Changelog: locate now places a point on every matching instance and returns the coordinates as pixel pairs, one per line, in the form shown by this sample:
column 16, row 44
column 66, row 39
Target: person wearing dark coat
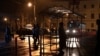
column 36, row 33
column 97, row 50
column 7, row 35
column 62, row 38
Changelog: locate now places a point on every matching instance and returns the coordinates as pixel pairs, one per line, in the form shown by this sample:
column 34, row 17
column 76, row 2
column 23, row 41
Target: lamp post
column 17, row 23
column 34, row 10
column 35, row 19
column 7, row 31
column 29, row 5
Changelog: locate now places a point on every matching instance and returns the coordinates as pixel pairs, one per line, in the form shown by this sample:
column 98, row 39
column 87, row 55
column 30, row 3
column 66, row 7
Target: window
column 84, row 6
column 92, row 6
column 99, row 5
column 92, row 24
column 99, row 15
column 92, row 16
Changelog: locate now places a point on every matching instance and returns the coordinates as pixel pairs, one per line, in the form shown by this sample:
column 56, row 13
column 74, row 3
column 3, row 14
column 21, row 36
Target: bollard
column 29, row 46
column 16, row 42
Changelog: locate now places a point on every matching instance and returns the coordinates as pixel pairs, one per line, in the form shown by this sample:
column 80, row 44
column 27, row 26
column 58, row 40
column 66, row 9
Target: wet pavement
column 82, row 46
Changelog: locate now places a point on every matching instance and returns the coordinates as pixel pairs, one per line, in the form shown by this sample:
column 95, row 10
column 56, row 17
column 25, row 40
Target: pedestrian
column 97, row 51
column 62, row 38
column 7, row 35
column 36, row 33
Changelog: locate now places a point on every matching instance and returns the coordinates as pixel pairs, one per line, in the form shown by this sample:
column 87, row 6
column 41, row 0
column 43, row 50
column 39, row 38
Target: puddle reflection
column 72, row 42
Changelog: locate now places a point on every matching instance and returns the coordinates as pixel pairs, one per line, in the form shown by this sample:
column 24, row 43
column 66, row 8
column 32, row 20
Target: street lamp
column 33, row 8
column 5, row 19
column 29, row 4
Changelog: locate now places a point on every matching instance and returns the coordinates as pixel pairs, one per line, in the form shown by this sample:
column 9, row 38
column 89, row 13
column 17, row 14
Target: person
column 35, row 32
column 7, row 35
column 62, row 38
column 97, row 51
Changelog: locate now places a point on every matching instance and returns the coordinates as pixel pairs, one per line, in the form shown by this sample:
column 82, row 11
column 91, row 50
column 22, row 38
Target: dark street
column 49, row 27
column 84, row 46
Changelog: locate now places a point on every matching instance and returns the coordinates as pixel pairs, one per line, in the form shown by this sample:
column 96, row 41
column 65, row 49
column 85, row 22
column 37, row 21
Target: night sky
column 10, row 6
column 13, row 6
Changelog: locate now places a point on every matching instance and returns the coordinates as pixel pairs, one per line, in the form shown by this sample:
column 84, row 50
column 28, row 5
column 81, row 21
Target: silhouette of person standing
column 62, row 38
column 36, row 31
column 97, row 51
column 7, row 35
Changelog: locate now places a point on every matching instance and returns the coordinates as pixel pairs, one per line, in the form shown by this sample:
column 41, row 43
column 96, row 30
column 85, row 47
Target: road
column 49, row 47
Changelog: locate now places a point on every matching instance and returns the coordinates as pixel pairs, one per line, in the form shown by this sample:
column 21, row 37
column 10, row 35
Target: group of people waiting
column 36, row 33
column 62, row 37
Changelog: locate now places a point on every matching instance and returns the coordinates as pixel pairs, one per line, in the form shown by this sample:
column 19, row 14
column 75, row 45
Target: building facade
column 89, row 8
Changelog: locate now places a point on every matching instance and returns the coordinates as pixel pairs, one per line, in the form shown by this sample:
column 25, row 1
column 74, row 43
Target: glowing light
column 29, row 4
column 55, row 40
column 29, row 26
column 5, row 19
column 74, row 31
column 67, row 14
column 67, row 31
column 56, row 36
column 48, row 30
column 26, row 39
column 72, row 42
column 73, row 54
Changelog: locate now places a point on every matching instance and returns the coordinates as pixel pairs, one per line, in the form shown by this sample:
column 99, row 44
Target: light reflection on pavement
column 70, row 43
column 73, row 42
column 72, row 47
column 47, row 50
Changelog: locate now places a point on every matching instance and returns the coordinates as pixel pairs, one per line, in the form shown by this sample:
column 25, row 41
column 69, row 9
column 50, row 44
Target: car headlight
column 74, row 31
column 67, row 31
